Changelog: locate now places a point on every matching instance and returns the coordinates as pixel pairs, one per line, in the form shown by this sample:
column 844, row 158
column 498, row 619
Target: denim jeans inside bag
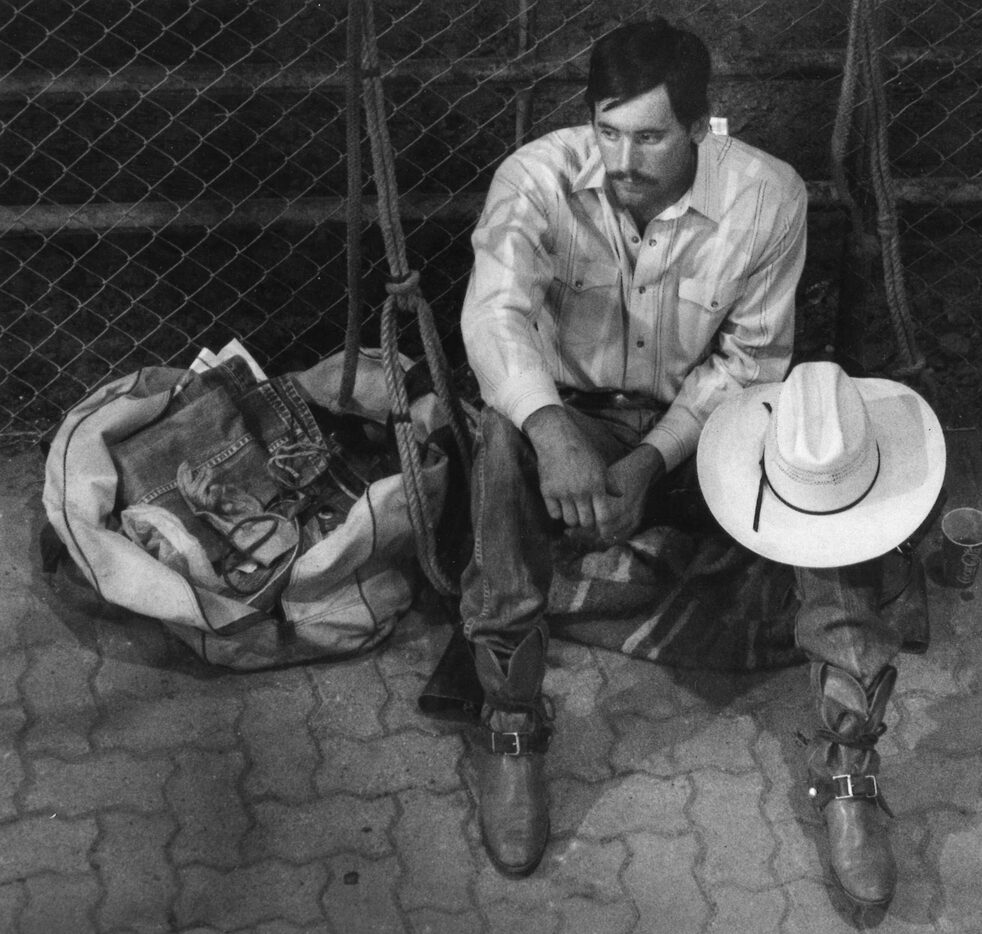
column 208, row 458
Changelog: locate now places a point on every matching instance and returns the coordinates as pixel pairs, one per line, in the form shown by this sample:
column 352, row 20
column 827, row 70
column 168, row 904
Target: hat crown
column 821, row 419
column 820, row 450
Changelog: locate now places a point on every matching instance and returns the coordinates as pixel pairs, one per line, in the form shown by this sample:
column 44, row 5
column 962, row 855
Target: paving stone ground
column 143, row 791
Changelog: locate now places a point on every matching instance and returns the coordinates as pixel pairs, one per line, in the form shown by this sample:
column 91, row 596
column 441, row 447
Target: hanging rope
column 863, row 71
column 404, row 295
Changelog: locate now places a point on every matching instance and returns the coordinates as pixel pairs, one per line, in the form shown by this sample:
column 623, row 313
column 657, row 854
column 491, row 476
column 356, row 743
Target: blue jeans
column 225, row 421
column 505, row 587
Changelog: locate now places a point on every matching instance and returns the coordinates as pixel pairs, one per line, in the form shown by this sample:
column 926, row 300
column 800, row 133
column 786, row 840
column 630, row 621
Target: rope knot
column 404, row 285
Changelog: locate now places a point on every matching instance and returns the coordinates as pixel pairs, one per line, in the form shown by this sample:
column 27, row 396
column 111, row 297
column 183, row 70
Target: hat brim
column 912, row 467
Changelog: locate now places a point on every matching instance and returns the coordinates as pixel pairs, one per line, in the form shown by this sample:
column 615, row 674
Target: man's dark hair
column 638, row 57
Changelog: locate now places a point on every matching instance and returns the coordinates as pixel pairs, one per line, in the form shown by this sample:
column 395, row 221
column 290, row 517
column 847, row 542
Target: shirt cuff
column 518, row 406
column 675, row 437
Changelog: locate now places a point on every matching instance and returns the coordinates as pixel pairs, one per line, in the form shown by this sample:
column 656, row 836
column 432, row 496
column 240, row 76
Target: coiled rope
column 403, row 295
column 862, row 71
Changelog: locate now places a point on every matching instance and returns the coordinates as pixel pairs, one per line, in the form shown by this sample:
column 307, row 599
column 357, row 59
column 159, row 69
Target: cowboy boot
column 842, row 770
column 514, row 734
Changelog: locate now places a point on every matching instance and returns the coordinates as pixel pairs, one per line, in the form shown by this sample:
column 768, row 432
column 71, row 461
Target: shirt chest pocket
column 703, row 304
column 589, row 303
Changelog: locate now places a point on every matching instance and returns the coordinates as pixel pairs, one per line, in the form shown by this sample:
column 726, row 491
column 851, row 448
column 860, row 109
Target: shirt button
column 641, row 290
column 652, row 241
column 635, row 239
column 640, row 343
column 714, row 304
column 578, row 284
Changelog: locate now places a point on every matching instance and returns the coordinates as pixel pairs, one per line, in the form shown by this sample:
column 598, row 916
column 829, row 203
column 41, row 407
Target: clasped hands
column 579, row 488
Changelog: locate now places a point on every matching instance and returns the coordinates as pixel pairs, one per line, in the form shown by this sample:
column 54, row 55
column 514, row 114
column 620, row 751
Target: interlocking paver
column 13, row 664
column 55, row 690
column 143, row 790
column 589, row 869
column 955, row 847
column 203, row 794
column 351, row 697
column 811, row 912
column 956, row 721
column 360, row 896
column 720, row 741
column 11, row 763
column 662, row 884
column 637, row 803
column 918, row 900
column 582, row 916
column 784, row 790
column 796, row 855
column 429, row 921
column 534, row 919
column 40, row 843
column 491, row 888
column 645, row 746
column 576, row 690
column 299, row 833
column 12, row 896
column 29, row 620
column 644, row 690
column 247, row 896
column 59, row 903
column 581, row 747
column 438, row 866
column 170, row 723
column 137, row 876
column 737, row 841
column 917, row 778
column 739, row 909
column 276, row 737
column 390, row 764
column 109, row 781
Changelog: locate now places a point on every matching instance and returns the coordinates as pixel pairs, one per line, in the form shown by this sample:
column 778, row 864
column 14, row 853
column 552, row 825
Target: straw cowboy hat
column 822, row 470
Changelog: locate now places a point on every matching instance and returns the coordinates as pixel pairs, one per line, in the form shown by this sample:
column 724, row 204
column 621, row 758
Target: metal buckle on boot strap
column 864, row 786
column 518, row 744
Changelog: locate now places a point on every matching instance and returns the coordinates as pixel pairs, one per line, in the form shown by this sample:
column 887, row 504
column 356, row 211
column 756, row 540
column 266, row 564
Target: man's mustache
column 635, row 177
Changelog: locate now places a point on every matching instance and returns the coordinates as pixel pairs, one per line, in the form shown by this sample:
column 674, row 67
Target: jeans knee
column 503, row 447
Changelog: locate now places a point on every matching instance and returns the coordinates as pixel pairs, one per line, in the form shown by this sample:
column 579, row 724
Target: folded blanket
column 700, row 601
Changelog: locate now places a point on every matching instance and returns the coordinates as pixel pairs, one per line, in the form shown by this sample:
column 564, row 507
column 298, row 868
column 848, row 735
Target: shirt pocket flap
column 710, row 293
column 593, row 276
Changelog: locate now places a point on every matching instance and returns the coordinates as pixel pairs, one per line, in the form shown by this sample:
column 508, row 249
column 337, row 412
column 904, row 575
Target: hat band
column 809, row 512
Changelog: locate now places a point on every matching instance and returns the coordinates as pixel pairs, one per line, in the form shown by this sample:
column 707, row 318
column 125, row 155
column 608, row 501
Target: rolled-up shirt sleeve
column 512, row 271
column 754, row 342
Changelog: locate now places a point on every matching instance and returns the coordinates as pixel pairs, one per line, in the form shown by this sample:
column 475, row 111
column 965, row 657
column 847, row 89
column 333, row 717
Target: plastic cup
column 961, row 546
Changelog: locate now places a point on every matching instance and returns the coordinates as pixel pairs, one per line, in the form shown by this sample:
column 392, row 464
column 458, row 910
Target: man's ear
column 699, row 128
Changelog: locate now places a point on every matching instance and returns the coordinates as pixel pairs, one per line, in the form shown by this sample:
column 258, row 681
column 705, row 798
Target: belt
column 608, row 399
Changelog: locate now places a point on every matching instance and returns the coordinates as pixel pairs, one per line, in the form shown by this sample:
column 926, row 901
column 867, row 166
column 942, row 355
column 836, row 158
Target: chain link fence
column 175, row 172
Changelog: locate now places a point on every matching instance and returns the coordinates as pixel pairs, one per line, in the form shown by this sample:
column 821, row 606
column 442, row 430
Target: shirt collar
column 704, row 193
column 592, row 174
column 703, row 196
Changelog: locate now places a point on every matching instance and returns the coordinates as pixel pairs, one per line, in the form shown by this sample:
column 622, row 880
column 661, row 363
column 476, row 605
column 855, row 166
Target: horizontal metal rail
column 264, row 212
column 87, row 81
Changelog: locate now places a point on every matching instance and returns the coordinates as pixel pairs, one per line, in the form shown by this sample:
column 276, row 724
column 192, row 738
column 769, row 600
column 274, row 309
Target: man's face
column 647, row 153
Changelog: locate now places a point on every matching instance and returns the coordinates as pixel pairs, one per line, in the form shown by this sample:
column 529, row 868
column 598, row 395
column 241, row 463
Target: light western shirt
column 567, row 292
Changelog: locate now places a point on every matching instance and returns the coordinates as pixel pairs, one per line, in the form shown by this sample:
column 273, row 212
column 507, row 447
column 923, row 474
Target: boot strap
column 515, row 743
column 846, row 787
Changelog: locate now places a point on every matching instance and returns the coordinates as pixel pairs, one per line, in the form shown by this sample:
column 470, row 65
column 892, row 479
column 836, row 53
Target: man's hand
column 572, row 476
column 628, row 482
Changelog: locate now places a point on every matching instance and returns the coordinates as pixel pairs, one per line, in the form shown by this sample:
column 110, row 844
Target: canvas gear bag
column 262, row 525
